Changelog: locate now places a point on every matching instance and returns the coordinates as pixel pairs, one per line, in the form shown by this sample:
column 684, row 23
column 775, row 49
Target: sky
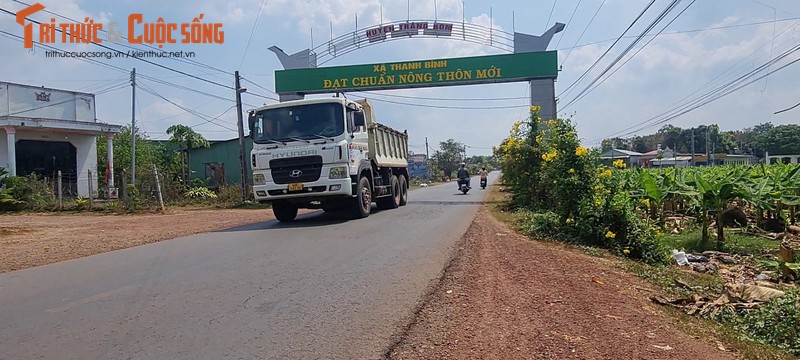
column 711, row 43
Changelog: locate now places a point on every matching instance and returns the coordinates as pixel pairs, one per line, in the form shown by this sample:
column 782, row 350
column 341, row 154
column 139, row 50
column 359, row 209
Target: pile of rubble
column 736, row 297
column 747, row 285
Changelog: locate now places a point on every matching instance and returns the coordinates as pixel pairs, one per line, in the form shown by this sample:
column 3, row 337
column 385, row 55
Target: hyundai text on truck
column 329, row 154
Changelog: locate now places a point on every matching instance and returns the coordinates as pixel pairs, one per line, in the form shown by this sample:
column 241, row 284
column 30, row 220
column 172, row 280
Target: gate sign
column 409, row 29
column 415, row 74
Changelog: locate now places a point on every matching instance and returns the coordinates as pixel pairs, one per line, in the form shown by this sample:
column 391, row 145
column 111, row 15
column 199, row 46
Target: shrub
column 26, row 192
column 230, row 195
column 776, row 323
column 200, row 193
column 134, row 200
column 579, row 201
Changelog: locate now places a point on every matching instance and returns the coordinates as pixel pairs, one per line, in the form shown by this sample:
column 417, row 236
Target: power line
column 785, row 110
column 680, row 102
column 678, row 32
column 137, row 58
column 253, row 31
column 568, row 22
column 183, row 60
column 721, row 91
column 584, row 31
column 592, row 85
column 551, row 14
column 609, row 48
column 193, row 112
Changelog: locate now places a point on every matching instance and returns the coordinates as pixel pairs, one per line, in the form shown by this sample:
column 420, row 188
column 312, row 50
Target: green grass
column 735, row 242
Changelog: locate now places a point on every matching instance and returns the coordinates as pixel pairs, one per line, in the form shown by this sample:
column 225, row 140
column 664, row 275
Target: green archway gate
column 528, row 61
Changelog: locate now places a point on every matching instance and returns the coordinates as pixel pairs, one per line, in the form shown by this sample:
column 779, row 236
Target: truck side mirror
column 251, row 121
column 358, row 119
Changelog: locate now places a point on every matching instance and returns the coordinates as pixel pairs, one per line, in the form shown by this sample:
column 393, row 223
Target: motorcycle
column 483, row 183
column 462, row 186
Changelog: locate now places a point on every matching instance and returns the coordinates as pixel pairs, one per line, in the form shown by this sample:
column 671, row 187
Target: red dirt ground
column 507, row 297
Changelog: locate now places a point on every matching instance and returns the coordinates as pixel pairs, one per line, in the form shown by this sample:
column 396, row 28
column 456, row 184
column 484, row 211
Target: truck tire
column 284, row 211
column 362, row 203
column 393, row 201
column 403, row 191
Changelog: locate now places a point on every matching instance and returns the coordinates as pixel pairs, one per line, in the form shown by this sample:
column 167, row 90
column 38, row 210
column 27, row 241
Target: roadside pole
column 240, row 123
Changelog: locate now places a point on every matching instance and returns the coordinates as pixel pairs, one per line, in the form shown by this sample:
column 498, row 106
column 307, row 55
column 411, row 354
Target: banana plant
column 657, row 189
column 711, row 192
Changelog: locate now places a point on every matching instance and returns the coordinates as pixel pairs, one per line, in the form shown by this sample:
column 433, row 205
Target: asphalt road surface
column 321, row 288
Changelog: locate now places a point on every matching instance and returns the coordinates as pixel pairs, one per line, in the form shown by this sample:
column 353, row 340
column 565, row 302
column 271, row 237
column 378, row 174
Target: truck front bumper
column 320, row 188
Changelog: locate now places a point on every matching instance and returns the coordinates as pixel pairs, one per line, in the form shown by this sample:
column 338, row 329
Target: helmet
column 463, row 164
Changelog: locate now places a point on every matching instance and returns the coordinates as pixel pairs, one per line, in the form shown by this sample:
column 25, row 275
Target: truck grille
column 309, row 168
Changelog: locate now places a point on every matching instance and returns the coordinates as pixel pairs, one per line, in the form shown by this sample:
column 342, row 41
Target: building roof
column 675, row 159
column 619, row 153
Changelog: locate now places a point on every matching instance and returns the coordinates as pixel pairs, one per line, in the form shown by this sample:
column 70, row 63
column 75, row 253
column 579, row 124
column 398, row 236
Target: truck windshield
column 298, row 122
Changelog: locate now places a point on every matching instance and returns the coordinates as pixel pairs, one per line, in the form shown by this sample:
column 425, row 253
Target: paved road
column 321, row 288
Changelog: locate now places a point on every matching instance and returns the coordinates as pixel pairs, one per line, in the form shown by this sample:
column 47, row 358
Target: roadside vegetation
column 169, row 158
column 734, row 228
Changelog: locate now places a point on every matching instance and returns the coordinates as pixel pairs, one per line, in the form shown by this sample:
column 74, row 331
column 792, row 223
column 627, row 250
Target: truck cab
column 326, row 154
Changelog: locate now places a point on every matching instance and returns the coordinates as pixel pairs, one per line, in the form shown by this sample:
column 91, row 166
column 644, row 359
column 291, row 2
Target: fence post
column 123, row 188
column 91, row 190
column 158, row 188
column 60, row 190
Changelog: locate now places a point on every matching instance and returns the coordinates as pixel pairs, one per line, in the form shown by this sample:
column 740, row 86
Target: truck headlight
column 339, row 172
column 259, row 179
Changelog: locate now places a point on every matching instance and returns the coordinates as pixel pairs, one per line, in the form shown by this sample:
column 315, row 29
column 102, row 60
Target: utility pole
column 242, row 163
column 694, row 163
column 133, row 126
column 427, row 159
column 708, row 152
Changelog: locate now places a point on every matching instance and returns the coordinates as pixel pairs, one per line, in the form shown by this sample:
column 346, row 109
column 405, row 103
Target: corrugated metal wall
column 227, row 154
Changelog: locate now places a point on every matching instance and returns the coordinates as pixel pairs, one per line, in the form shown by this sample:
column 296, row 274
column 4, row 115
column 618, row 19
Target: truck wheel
column 362, row 203
column 284, row 211
column 403, row 191
column 393, row 201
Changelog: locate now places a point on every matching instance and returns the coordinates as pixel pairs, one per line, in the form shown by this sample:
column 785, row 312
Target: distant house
column 678, row 161
column 50, row 133
column 219, row 163
column 631, row 158
column 786, row 159
column 733, row 159
column 658, row 153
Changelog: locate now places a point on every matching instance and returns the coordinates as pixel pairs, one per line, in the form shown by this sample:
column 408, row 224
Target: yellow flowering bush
column 549, row 156
column 552, row 176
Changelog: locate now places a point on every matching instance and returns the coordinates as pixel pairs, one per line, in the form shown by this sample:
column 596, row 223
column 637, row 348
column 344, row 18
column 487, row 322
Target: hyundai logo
column 296, row 173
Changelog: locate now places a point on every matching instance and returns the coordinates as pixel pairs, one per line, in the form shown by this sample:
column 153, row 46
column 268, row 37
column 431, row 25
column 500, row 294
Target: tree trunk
column 704, row 218
column 183, row 168
column 720, row 229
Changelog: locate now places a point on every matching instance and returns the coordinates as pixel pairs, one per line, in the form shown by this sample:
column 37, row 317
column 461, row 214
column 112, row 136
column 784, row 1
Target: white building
column 45, row 130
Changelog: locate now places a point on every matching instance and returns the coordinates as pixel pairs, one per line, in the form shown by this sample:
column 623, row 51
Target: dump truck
column 329, row 154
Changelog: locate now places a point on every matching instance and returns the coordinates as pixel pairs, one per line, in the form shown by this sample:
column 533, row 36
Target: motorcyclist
column 484, row 174
column 463, row 175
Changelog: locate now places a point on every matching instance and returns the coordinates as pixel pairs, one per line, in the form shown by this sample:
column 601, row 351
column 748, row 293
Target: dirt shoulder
column 506, row 297
column 30, row 240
